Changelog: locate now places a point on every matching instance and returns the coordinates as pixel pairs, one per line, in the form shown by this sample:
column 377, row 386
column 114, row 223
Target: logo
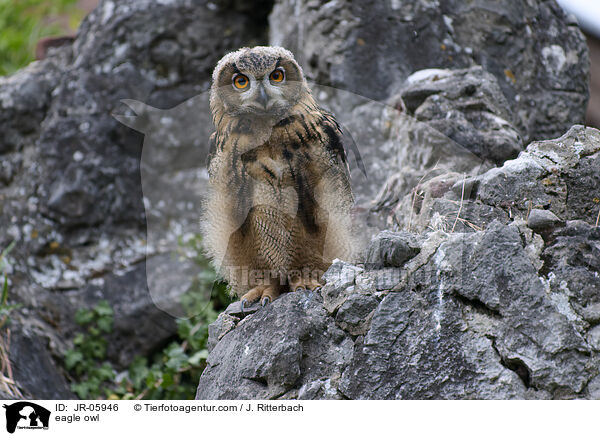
column 26, row 415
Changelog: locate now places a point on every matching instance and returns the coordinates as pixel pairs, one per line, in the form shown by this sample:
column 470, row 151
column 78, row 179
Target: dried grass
column 8, row 385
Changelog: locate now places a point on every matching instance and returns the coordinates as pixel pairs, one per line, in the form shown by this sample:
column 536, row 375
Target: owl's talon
column 244, row 302
column 304, row 283
column 318, row 288
column 264, row 293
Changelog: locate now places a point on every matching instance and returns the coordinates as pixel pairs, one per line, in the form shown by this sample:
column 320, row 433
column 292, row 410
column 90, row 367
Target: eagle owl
column 278, row 210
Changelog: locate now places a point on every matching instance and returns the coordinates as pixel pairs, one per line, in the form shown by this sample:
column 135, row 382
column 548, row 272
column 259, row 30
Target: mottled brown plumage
column 278, row 210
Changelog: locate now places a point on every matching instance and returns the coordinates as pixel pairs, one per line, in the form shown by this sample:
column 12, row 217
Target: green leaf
column 72, row 358
column 138, row 371
column 98, row 349
column 184, row 327
column 197, row 357
column 81, row 389
column 103, row 309
column 5, row 252
column 176, row 358
column 106, row 372
column 105, row 324
column 167, row 380
column 152, row 377
column 84, row 316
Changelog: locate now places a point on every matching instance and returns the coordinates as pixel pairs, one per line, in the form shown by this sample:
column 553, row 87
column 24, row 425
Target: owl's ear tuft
column 293, row 72
column 225, row 75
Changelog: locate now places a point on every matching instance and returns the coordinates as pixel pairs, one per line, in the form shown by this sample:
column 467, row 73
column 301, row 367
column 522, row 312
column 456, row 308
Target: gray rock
column 572, row 262
column 535, row 51
column 34, row 368
column 540, row 219
column 391, row 249
column 24, row 99
column 223, row 325
column 455, row 126
column 593, row 338
column 542, row 177
column 534, row 179
column 443, row 363
column 453, row 122
column 474, row 318
column 356, row 312
column 593, row 388
column 535, row 334
column 235, row 309
column 267, row 355
column 379, row 280
column 468, row 107
column 339, row 284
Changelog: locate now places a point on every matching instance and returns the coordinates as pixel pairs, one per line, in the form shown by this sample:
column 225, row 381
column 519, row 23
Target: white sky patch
column 586, row 11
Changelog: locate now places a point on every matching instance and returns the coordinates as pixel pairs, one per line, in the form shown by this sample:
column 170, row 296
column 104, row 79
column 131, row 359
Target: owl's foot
column 266, row 294
column 298, row 283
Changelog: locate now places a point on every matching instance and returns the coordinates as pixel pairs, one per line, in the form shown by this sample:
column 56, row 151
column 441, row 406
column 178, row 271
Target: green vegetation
column 24, row 22
column 171, row 373
column 86, row 360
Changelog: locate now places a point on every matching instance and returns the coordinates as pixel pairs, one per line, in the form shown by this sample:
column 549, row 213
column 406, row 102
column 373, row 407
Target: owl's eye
column 277, row 75
column 240, row 81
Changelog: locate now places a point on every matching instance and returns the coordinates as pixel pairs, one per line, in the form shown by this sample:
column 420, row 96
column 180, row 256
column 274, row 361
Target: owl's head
column 261, row 81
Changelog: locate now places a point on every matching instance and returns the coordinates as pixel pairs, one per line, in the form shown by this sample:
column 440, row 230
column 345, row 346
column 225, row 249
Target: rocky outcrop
column 441, row 123
column 535, row 51
column 505, row 310
column 466, row 106
column 559, row 176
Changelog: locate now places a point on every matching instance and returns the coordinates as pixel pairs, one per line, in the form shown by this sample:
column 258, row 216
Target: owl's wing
column 340, row 143
column 212, row 148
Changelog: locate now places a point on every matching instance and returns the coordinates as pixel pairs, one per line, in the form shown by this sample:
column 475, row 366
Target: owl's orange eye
column 240, row 81
column 277, row 76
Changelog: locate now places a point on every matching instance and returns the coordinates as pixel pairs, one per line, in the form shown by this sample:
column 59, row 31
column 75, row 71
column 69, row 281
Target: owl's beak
column 262, row 97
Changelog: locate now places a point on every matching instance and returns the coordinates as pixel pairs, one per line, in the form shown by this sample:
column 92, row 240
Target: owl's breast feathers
column 307, row 145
